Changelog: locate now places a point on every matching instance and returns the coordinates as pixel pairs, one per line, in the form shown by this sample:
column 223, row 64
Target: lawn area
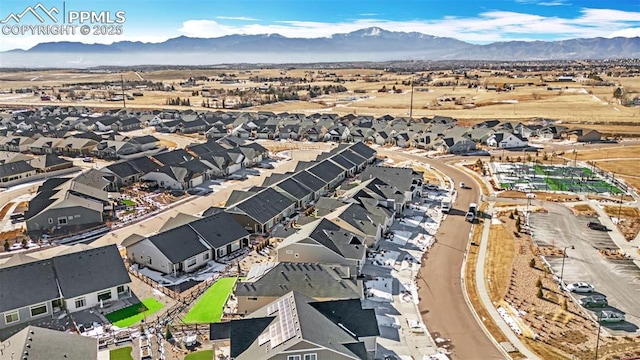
column 127, row 202
column 132, row 314
column 200, row 355
column 123, row 353
column 209, row 308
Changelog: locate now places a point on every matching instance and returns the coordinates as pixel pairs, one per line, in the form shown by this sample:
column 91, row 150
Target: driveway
column 619, row 280
column 442, row 304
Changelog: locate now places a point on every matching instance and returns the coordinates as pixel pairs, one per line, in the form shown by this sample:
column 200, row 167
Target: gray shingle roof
column 317, row 281
column 264, row 205
column 46, row 344
column 178, row 244
column 219, row 230
column 15, row 168
column 294, row 188
column 89, row 271
column 27, row 284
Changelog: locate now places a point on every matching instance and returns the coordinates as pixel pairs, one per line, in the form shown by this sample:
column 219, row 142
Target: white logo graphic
column 33, row 10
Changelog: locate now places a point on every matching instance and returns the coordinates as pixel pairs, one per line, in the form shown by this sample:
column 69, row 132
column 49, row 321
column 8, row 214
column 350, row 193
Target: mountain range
column 370, row 44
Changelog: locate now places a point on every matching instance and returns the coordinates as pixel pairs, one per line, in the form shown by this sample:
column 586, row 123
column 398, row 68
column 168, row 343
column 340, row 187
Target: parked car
column 464, row 186
column 608, row 316
column 266, row 165
column 593, row 225
column 594, row 301
column 580, row 287
column 87, row 159
column 199, row 191
column 430, row 187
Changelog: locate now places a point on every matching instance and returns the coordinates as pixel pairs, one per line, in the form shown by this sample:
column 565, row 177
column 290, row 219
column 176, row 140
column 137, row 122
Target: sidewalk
column 630, row 248
column 484, row 294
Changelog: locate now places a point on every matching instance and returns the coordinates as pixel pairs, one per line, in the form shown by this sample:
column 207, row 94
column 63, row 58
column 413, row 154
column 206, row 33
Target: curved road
column 442, row 304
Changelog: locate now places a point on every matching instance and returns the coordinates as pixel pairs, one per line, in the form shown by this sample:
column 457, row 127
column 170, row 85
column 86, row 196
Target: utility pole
column 620, row 208
column 124, row 102
column 411, row 105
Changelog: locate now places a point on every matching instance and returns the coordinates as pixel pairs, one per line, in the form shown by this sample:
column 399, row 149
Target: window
column 253, row 298
column 205, row 257
column 293, row 357
column 310, row 356
column 191, row 261
column 38, row 309
column 104, row 295
column 11, row 317
column 62, row 221
column 80, row 302
column 121, row 289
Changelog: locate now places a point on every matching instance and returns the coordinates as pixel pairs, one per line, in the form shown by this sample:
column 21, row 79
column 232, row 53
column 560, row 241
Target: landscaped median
column 209, row 307
column 131, row 315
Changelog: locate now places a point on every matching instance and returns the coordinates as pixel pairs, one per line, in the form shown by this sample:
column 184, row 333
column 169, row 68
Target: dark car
column 597, row 226
column 594, row 301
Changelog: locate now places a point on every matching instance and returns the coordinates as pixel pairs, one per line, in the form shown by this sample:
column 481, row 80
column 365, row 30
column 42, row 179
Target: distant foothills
column 370, row 44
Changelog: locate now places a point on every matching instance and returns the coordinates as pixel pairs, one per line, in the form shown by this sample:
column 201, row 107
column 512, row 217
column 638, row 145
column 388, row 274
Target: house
column 262, row 210
column 327, row 242
column 65, row 205
column 454, row 145
column 145, row 143
column 50, row 162
column 112, row 149
column 188, row 247
column 502, row 140
column 266, row 283
column 73, row 280
column 75, row 146
column 15, row 171
column 298, row 327
column 126, row 124
column 407, row 181
column 44, row 145
column 123, row 174
column 41, row 343
column 584, row 135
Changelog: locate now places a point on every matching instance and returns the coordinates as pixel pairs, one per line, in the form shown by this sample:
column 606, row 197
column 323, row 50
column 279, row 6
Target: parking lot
column 618, row 280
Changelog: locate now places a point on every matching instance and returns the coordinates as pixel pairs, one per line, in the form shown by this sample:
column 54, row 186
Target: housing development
column 339, row 183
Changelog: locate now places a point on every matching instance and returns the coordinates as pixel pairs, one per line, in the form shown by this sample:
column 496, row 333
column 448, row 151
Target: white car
column 580, row 287
column 608, row 316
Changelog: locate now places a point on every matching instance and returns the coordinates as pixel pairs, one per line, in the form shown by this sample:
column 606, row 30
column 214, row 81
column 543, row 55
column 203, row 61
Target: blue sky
column 475, row 21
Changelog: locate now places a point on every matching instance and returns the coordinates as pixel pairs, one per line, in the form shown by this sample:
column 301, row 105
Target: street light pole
column 598, row 336
column 564, row 256
column 620, row 208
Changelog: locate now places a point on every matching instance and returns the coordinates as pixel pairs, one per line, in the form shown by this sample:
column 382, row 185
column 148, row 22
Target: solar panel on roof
column 284, row 329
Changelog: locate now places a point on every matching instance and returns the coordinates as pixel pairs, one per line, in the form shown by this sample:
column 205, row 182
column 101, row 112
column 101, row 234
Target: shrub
column 532, row 263
column 540, row 294
column 6, row 245
column 564, row 304
column 511, row 216
column 539, row 283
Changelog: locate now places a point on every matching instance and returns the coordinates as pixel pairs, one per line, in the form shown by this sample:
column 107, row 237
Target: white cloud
column 630, row 32
column 369, row 14
column 486, row 27
column 240, row 18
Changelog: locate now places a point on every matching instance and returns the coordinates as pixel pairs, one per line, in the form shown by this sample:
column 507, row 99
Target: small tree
column 518, row 228
column 540, row 293
column 511, row 216
column 518, row 221
column 168, row 335
column 539, row 283
column 24, row 243
column 563, row 305
column 515, row 212
column 532, row 263
column 6, row 245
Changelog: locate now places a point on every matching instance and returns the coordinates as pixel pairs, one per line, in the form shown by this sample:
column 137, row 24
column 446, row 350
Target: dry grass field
column 630, row 216
column 576, row 103
column 500, row 255
column 583, row 210
column 620, row 160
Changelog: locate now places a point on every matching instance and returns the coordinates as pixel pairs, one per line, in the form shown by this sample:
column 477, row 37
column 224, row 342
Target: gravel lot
column 619, row 280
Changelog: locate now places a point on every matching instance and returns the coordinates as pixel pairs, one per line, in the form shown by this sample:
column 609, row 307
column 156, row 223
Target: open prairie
column 577, row 104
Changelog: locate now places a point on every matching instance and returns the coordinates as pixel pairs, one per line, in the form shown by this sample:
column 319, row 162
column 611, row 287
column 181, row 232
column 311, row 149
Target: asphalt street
column 442, row 304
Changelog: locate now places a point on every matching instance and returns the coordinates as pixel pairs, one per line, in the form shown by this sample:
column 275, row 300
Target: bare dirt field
column 539, row 196
column 629, row 223
column 583, row 210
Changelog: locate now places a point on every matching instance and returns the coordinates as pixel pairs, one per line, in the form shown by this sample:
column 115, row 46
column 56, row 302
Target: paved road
column 442, row 304
column 619, row 280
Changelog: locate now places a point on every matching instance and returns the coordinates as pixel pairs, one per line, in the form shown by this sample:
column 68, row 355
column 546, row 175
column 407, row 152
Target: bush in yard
column 532, row 263
column 540, row 294
column 539, row 283
column 6, row 245
column 517, row 221
column 168, row 335
column 511, row 216
column 515, row 212
column 518, row 227
column 564, row 304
